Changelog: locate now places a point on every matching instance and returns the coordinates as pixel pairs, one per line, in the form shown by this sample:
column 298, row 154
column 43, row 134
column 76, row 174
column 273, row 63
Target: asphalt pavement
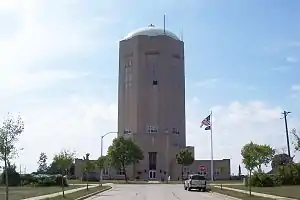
column 155, row 192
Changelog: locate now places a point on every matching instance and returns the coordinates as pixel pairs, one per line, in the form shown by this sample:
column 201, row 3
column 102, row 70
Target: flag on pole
column 206, row 122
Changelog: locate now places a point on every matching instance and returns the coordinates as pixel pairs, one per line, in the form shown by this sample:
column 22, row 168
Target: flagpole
column 211, row 150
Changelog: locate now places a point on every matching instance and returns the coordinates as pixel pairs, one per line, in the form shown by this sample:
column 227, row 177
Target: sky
column 59, row 71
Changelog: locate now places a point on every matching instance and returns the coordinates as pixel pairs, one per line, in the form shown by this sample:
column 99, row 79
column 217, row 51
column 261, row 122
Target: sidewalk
column 60, row 193
column 257, row 194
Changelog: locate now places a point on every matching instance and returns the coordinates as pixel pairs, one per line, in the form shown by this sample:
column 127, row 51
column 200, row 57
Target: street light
column 101, row 171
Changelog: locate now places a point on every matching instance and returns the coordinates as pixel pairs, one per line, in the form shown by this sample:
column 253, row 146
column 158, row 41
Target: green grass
column 17, row 193
column 237, row 194
column 284, row 191
column 80, row 193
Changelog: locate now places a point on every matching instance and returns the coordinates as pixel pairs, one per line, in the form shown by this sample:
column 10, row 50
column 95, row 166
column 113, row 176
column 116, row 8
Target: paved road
column 154, row 192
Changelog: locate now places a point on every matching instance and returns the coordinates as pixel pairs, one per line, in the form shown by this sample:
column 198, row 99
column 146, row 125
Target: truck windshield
column 198, row 177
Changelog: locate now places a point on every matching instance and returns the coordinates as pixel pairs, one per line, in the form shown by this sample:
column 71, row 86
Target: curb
column 94, row 193
column 224, row 195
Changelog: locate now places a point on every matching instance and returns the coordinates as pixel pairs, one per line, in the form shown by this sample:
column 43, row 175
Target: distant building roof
column 151, row 31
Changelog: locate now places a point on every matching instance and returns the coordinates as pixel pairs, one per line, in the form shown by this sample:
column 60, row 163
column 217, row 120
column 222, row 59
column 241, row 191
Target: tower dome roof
column 151, row 31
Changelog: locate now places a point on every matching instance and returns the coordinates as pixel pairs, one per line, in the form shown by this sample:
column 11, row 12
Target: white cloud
column 75, row 123
column 291, row 59
column 39, row 36
column 296, row 88
column 235, row 125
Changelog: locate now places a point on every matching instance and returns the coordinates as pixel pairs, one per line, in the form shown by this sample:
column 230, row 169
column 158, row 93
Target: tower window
column 154, row 82
column 175, row 131
column 127, row 131
column 152, row 129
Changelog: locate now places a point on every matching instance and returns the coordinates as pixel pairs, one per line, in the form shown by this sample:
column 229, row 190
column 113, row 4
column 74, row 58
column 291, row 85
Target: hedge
column 284, row 175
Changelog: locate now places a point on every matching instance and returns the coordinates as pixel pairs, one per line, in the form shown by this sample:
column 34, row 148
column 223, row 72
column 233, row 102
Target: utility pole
column 285, row 113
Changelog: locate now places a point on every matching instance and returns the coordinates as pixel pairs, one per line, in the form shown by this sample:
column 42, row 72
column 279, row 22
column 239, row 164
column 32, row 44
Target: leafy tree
column 63, row 161
column 184, row 158
column 265, row 155
column 89, row 166
column 250, row 158
column 43, row 168
column 281, row 160
column 100, row 163
column 296, row 139
column 10, row 130
column 53, row 168
column 124, row 152
column 255, row 155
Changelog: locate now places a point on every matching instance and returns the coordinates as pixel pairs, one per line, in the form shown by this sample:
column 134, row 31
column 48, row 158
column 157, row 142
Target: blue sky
column 59, row 65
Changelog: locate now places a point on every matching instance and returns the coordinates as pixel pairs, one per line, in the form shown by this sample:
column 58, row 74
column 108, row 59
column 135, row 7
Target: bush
column 259, row 179
column 283, row 175
column 13, row 177
column 27, row 179
column 289, row 174
column 48, row 180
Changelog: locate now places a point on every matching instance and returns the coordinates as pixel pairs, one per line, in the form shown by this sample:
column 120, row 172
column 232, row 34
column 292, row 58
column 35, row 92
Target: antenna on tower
column 181, row 34
column 164, row 23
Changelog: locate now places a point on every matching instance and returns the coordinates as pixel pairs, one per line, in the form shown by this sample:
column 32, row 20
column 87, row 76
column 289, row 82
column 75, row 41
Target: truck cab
column 195, row 181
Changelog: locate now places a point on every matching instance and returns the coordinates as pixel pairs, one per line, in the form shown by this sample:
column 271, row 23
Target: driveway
column 154, row 192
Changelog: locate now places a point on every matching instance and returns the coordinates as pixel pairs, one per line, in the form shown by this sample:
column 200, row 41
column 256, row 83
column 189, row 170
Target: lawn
column 284, row 191
column 237, row 194
column 81, row 193
column 17, row 193
column 226, row 182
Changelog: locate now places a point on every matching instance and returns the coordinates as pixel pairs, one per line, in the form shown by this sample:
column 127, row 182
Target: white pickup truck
column 195, row 181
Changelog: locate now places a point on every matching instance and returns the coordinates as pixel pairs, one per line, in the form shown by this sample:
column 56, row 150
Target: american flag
column 206, row 122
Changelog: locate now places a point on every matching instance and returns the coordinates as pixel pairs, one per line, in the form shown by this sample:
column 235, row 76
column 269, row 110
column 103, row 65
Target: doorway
column 152, row 174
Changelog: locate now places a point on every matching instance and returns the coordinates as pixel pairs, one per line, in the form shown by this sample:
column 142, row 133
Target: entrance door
column 152, row 174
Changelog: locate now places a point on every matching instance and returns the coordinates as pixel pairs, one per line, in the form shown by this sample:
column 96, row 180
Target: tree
column 53, row 168
column 296, row 139
column 11, row 129
column 265, row 155
column 254, row 156
column 124, row 152
column 250, row 158
column 184, row 158
column 281, row 160
column 89, row 166
column 63, row 161
column 42, row 163
column 100, row 163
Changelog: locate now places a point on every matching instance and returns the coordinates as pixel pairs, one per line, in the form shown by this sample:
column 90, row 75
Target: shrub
column 27, row 179
column 289, row 174
column 48, row 180
column 263, row 180
column 13, row 177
